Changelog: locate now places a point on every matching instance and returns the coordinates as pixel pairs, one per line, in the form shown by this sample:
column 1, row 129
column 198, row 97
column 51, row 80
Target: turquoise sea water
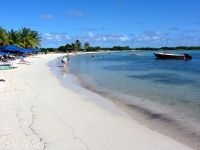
column 172, row 82
column 143, row 83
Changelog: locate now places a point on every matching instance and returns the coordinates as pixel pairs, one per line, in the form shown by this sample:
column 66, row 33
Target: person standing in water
column 64, row 60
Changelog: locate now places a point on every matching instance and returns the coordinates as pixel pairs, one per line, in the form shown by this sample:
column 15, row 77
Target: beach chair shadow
column 23, row 61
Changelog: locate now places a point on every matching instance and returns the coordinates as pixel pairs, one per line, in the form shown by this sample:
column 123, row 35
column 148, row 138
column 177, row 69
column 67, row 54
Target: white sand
column 37, row 112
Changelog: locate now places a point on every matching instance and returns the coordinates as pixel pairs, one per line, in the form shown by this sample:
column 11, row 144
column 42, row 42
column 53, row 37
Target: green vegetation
column 77, row 46
column 25, row 38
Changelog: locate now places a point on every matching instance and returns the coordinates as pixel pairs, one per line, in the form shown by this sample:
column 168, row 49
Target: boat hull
column 172, row 56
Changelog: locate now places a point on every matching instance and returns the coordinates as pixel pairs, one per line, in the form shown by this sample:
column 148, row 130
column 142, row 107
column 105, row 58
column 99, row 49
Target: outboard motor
column 187, row 56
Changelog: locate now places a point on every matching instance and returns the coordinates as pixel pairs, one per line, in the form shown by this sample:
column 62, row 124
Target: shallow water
column 165, row 89
column 175, row 83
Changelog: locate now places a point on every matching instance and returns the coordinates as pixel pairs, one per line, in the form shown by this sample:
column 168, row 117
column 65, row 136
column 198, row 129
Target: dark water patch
column 165, row 78
column 183, row 133
column 125, row 67
column 88, row 87
column 186, row 101
column 165, row 81
column 172, row 104
column 151, row 115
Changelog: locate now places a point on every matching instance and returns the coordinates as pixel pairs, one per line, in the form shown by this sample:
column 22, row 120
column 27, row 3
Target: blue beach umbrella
column 26, row 51
column 38, row 50
column 35, row 50
column 12, row 49
column 4, row 53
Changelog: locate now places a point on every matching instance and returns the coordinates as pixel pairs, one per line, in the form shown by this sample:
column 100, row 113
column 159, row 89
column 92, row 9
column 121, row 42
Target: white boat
column 167, row 55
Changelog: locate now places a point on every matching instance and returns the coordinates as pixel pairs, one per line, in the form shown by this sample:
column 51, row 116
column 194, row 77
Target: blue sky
column 106, row 23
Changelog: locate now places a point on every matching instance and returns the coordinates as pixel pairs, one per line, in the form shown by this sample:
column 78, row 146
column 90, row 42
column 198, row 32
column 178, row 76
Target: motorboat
column 167, row 55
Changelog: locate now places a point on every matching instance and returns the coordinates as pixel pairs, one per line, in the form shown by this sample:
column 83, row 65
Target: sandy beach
column 38, row 113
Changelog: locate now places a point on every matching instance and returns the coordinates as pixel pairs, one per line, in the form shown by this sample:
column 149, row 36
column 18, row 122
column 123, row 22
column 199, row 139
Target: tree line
column 78, row 46
column 24, row 38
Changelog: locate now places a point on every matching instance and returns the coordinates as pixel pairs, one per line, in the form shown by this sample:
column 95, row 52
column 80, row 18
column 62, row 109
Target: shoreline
column 152, row 115
column 40, row 113
column 155, row 116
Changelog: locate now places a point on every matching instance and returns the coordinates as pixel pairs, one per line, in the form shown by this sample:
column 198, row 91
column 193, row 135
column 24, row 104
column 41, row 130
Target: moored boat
column 167, row 55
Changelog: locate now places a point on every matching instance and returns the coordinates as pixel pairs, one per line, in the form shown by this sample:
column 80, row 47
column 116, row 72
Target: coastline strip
column 37, row 112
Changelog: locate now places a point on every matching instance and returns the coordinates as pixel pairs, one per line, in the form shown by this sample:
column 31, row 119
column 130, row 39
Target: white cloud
column 58, row 38
column 98, row 39
column 47, row 36
column 74, row 13
column 124, row 38
column 46, row 16
column 90, row 34
column 154, row 33
column 67, row 37
column 144, row 39
column 104, row 39
column 190, row 31
column 174, row 28
column 153, row 37
column 54, row 37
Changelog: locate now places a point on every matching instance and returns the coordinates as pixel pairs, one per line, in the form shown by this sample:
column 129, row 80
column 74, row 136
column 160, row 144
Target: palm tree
column 29, row 39
column 68, row 47
column 73, row 46
column 86, row 46
column 78, row 45
column 36, row 38
column 25, row 38
column 14, row 37
column 4, row 40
